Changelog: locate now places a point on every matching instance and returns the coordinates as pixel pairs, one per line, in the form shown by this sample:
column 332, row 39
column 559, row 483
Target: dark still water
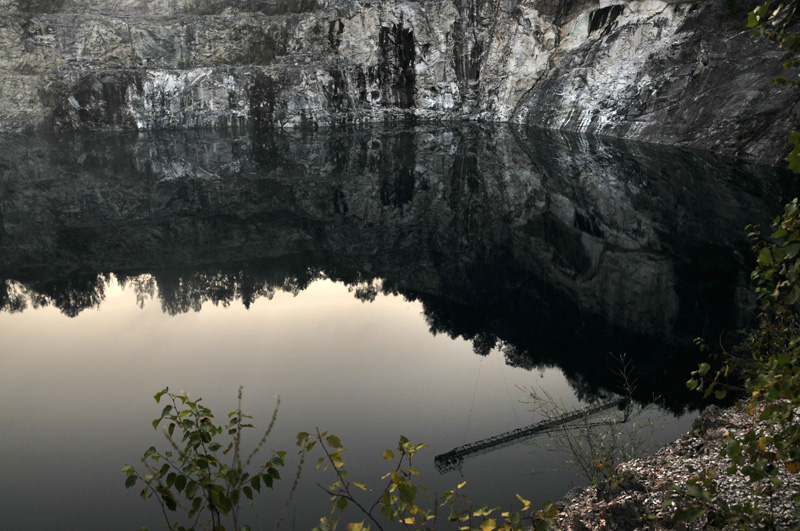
column 382, row 281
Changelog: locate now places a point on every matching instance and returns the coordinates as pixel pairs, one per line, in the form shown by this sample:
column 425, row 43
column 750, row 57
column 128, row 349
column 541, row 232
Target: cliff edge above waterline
column 672, row 72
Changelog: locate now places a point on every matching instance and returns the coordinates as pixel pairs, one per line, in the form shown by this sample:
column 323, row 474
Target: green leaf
column 694, row 490
column 216, row 500
column 234, row 499
column 407, row 492
column 168, row 499
column 130, row 481
column 333, row 441
column 388, row 454
column 158, row 395
column 244, row 528
column 454, row 516
column 387, row 512
column 191, row 489
column 765, row 257
column 752, row 20
column 690, row 514
column 248, row 492
column 180, row 482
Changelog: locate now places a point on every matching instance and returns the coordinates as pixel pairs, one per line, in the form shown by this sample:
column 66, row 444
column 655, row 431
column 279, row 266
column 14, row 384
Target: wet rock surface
column 673, row 72
column 634, row 501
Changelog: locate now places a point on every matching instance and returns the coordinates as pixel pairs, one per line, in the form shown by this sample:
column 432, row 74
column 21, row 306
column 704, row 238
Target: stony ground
column 634, row 500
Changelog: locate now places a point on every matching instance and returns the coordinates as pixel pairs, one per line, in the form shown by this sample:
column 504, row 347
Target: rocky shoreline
column 634, row 500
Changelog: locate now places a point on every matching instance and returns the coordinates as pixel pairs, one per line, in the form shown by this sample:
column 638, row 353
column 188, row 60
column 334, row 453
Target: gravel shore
column 634, row 501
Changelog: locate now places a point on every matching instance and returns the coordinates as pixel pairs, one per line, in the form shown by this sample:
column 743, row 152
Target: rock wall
column 675, row 72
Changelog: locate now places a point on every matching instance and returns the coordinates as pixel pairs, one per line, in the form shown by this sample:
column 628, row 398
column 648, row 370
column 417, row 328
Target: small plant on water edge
column 399, row 501
column 596, row 445
column 192, row 478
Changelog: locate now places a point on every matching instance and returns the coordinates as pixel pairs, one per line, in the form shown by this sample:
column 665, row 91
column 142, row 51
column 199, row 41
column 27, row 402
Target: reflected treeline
column 557, row 249
column 71, row 295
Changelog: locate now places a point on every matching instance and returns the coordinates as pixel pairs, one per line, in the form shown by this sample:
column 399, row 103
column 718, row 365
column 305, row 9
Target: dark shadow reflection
column 559, row 249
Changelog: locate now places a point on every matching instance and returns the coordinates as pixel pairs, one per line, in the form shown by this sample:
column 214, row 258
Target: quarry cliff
column 682, row 73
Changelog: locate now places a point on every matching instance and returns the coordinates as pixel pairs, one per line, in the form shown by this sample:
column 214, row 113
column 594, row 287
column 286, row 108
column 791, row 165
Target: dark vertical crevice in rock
column 559, row 10
column 337, row 91
column 97, row 100
column 396, row 70
column 466, row 54
column 468, row 48
column 261, row 48
column 335, row 30
column 262, row 94
column 361, row 85
column 604, row 19
column 588, row 224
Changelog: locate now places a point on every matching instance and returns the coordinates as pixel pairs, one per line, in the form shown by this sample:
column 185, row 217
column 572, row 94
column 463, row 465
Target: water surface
column 381, row 280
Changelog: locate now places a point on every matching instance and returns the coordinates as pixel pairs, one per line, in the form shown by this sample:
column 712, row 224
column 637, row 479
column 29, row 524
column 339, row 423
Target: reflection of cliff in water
column 557, row 248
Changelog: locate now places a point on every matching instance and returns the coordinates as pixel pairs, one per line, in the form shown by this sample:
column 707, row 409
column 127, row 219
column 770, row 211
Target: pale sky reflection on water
column 76, row 393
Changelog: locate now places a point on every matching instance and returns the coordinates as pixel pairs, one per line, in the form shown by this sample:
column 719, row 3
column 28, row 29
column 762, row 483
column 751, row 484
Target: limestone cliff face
column 674, row 72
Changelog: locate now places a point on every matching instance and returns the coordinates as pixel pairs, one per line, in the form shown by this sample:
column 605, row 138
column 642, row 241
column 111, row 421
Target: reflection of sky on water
column 77, row 395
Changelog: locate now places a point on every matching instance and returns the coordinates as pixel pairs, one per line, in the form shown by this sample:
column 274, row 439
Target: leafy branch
column 194, row 471
column 399, row 500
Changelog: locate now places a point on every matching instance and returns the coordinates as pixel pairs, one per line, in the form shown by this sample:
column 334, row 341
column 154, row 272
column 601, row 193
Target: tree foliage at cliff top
column 777, row 22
